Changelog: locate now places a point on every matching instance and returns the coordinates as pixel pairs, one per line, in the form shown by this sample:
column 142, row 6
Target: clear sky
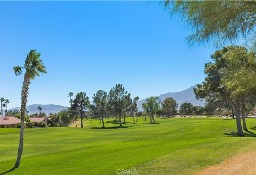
column 87, row 46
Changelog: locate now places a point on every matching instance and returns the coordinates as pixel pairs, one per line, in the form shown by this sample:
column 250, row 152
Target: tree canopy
column 219, row 20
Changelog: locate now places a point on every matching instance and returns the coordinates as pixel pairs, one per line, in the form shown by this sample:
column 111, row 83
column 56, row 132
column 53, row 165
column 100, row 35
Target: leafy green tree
column 118, row 101
column 227, row 80
column 151, row 107
column 169, row 106
column 13, row 112
column 81, row 103
column 33, row 67
column 217, row 20
column 186, row 108
column 198, row 110
column 99, row 105
column 127, row 106
column 133, row 109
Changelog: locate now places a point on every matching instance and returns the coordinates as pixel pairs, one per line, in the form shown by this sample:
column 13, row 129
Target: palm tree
column 33, row 67
column 70, row 95
column 2, row 100
column 40, row 109
column 6, row 102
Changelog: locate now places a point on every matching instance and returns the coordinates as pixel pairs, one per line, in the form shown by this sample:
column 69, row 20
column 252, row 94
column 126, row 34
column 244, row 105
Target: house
column 9, row 122
column 12, row 122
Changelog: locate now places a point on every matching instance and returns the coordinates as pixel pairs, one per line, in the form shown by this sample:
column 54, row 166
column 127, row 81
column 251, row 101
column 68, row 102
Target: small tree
column 186, row 109
column 80, row 103
column 99, row 105
column 133, row 110
column 118, row 101
column 151, row 107
column 169, row 106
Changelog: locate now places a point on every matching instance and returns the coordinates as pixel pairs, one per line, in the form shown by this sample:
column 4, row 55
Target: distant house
column 12, row 122
column 9, row 122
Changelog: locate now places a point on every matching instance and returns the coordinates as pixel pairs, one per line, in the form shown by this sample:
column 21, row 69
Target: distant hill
column 186, row 95
column 50, row 108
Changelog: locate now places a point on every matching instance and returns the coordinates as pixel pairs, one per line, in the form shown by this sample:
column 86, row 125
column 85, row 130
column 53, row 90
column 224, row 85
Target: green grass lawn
column 174, row 146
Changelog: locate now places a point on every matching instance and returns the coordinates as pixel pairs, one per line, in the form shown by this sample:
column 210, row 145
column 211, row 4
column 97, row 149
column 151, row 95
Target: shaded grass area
column 174, row 146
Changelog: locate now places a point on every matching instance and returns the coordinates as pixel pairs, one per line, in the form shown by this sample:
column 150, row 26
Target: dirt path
column 244, row 164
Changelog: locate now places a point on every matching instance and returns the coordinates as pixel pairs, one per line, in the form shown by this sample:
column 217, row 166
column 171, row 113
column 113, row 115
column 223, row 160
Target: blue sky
column 87, row 46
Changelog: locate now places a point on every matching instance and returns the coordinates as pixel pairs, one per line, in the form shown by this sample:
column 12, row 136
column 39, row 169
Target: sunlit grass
column 173, row 146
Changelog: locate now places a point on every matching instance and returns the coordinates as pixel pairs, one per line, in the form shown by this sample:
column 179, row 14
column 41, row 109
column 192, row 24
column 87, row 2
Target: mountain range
column 50, row 108
column 186, row 95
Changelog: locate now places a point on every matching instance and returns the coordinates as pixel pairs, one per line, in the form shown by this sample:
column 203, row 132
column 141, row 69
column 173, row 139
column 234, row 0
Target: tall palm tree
column 6, row 102
column 70, row 95
column 40, row 109
column 33, row 67
column 2, row 100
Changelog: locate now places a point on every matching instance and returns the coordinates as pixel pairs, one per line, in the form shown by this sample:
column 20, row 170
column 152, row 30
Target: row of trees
column 117, row 102
column 4, row 103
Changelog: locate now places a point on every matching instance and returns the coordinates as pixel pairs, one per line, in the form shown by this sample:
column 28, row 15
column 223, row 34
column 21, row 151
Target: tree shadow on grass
column 8, row 171
column 110, row 127
column 235, row 134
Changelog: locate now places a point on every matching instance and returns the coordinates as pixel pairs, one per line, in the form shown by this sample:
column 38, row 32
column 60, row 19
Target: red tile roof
column 8, row 120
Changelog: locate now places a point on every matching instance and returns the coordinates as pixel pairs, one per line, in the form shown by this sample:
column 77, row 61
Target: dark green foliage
column 230, row 81
column 80, row 104
column 169, row 106
column 219, row 20
column 186, row 109
column 151, row 107
column 119, row 101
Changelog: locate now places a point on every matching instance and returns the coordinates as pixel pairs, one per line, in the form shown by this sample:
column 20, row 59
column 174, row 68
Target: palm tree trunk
column 133, row 119
column 24, row 95
column 238, row 120
column 1, row 108
column 150, row 118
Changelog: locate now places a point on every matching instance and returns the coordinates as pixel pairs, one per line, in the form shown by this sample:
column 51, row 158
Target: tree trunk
column 153, row 118
column 124, row 119
column 1, row 108
column 133, row 119
column 81, row 117
column 145, row 118
column 150, row 118
column 232, row 113
column 120, row 119
column 24, row 96
column 243, row 118
column 238, row 120
column 102, row 120
column 82, row 125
